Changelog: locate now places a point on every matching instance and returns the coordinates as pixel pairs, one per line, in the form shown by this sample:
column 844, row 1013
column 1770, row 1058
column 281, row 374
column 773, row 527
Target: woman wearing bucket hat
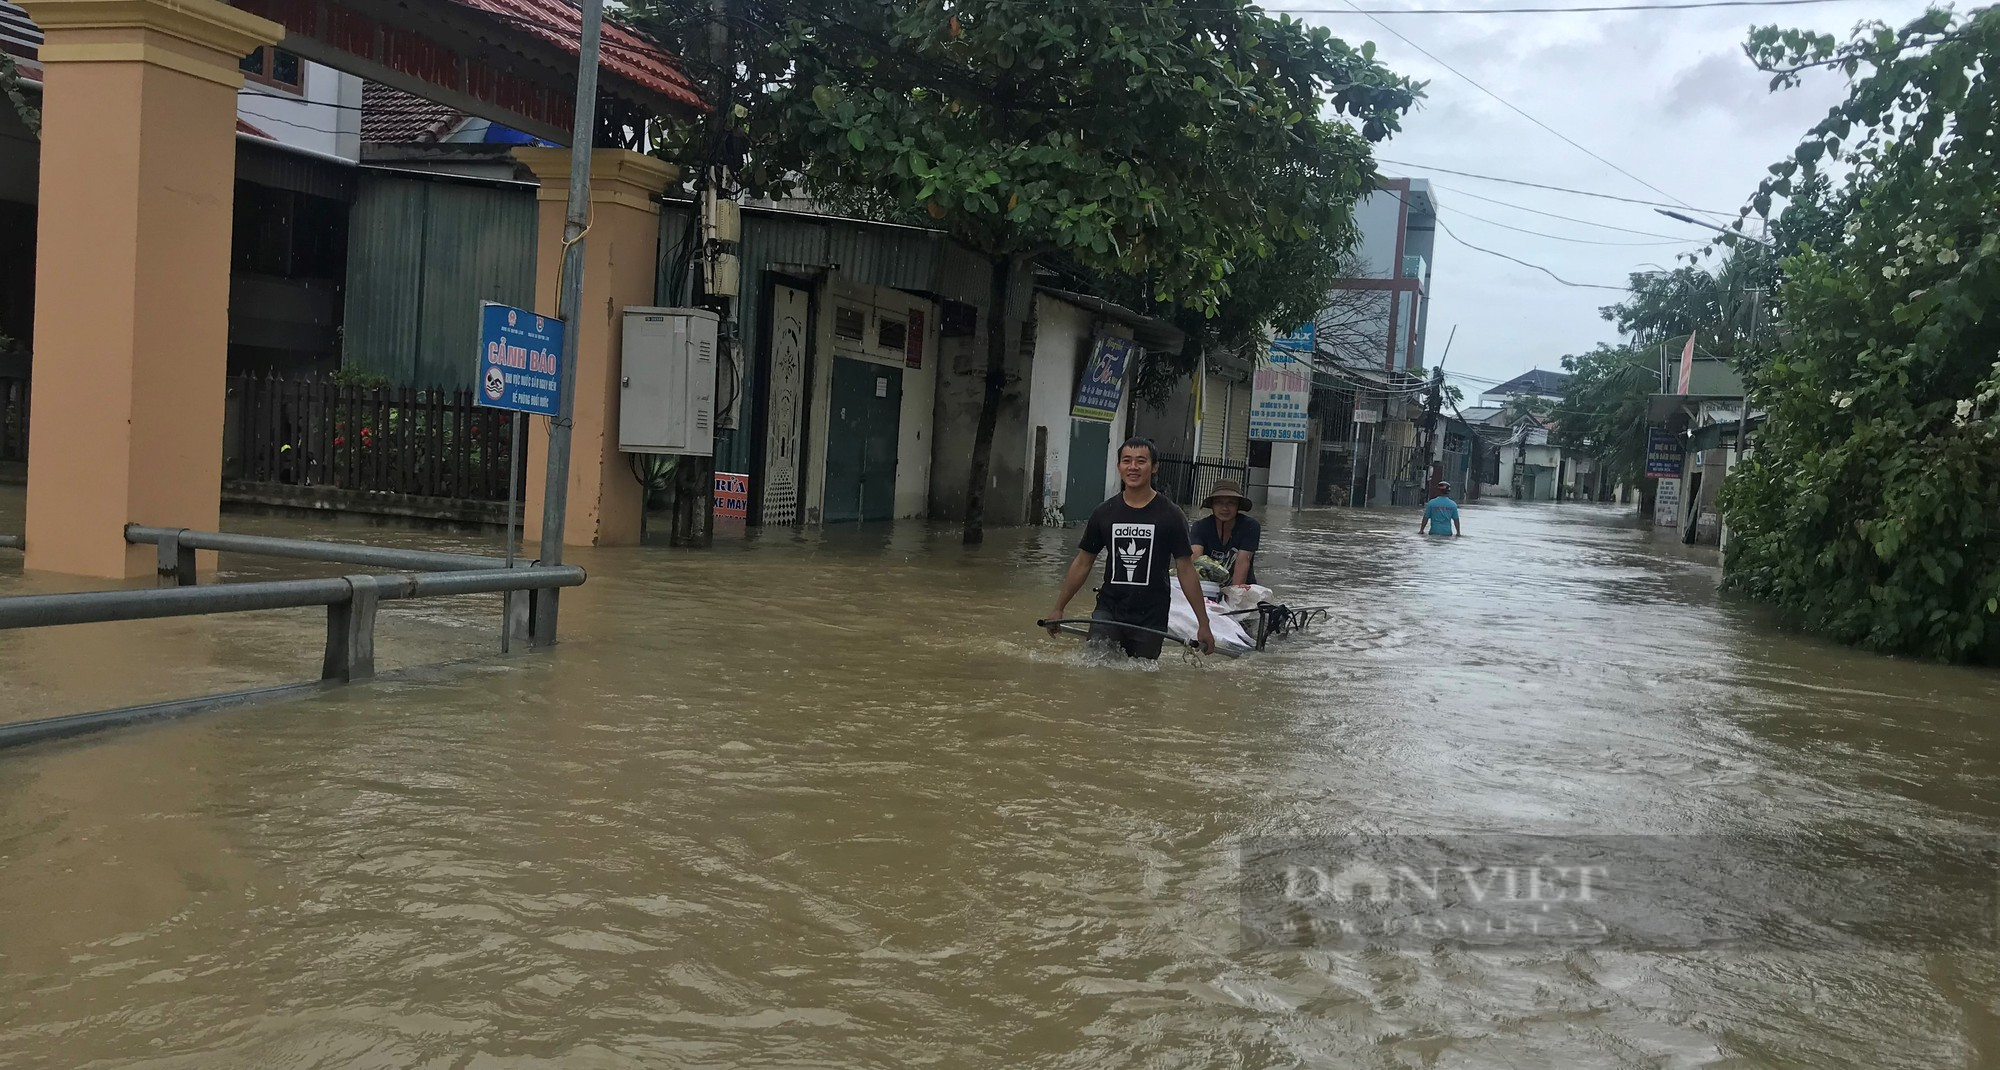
column 1228, row 534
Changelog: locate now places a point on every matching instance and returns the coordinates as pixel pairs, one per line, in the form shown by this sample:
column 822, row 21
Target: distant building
column 1371, row 341
column 1536, row 383
column 1378, row 317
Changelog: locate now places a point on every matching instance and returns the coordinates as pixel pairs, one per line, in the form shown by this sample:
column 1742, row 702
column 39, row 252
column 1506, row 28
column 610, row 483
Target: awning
column 1157, row 335
column 1661, row 406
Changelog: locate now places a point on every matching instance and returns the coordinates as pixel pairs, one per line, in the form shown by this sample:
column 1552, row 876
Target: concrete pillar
column 1284, row 493
column 621, row 265
column 132, row 273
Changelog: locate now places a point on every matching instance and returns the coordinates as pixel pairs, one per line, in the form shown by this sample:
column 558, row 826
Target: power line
column 1526, row 264
column 1557, row 189
column 1557, row 215
column 1700, row 4
column 1578, row 241
column 1510, row 105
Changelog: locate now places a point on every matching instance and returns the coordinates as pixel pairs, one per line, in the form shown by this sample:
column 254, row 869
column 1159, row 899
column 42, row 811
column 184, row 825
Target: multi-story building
column 1368, row 381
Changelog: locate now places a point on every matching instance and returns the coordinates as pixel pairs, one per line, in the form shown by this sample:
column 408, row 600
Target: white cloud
column 1666, row 95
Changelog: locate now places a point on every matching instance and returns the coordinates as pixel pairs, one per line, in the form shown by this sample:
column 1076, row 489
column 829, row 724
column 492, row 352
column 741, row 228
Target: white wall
column 913, row 445
column 1061, row 332
column 1063, row 337
column 325, row 118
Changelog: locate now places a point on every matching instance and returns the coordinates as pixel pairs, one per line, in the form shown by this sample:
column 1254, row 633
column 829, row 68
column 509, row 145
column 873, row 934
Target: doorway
column 1083, row 481
column 866, row 406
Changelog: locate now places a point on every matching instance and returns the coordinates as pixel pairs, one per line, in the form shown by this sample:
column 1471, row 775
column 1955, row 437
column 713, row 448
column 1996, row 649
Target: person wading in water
column 1228, row 534
column 1148, row 536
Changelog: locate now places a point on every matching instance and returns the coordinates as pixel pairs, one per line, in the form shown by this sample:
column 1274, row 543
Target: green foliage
column 10, row 85
column 1604, row 406
column 1179, row 143
column 1528, row 407
column 348, row 375
column 1870, row 506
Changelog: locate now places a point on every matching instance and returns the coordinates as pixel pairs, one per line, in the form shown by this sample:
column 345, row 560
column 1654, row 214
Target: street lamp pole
column 1733, row 234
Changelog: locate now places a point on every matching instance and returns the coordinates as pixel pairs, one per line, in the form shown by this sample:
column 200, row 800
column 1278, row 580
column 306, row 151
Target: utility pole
column 694, row 495
column 1433, row 406
column 1743, row 414
column 582, row 135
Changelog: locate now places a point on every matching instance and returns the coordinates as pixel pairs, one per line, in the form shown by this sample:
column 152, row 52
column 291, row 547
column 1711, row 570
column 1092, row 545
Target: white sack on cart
column 1228, row 634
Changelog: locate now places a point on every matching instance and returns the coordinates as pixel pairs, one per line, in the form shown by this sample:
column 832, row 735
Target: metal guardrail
column 350, row 601
column 177, row 547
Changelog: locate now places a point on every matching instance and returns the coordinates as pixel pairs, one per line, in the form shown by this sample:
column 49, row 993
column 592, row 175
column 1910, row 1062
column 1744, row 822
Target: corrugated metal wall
column 866, row 253
column 422, row 254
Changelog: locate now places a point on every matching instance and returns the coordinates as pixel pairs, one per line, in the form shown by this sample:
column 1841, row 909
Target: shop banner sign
column 1279, row 392
column 1103, row 385
column 1663, row 453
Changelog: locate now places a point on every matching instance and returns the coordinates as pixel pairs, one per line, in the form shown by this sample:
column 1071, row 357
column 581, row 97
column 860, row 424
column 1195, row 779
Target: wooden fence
column 390, row 440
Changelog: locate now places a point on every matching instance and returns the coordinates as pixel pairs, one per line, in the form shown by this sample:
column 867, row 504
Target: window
column 851, row 323
column 275, row 66
column 892, row 335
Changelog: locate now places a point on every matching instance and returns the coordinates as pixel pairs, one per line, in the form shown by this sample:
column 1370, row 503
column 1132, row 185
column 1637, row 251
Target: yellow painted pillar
column 621, row 264
column 132, row 273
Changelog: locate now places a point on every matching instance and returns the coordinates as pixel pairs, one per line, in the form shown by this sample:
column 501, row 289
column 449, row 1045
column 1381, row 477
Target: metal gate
column 867, row 409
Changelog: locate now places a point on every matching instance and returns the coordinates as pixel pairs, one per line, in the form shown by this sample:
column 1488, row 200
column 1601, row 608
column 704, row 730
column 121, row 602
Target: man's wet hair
column 1137, row 442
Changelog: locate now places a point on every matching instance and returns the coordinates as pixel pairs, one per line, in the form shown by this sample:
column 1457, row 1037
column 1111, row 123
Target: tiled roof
column 245, row 128
column 625, row 55
column 18, row 33
column 1544, row 383
column 393, row 117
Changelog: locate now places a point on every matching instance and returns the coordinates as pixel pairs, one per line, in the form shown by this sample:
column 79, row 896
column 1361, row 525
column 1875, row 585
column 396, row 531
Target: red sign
column 913, row 343
column 732, row 496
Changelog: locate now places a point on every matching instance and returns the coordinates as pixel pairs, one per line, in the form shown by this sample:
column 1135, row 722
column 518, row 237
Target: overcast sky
column 1666, row 95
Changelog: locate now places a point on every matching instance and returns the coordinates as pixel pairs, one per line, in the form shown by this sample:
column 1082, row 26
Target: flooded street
column 831, row 801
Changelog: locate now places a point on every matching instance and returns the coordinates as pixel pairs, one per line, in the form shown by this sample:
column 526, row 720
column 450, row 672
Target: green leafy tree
column 1176, row 142
column 15, row 91
column 1522, row 408
column 1605, row 404
column 1869, row 507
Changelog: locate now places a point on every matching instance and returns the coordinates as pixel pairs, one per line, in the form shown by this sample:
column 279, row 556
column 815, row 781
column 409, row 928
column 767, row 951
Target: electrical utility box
column 666, row 396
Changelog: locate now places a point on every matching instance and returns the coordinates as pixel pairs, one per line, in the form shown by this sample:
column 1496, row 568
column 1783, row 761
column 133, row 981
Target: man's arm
column 1242, row 570
column 1073, row 581
column 1457, row 528
column 1191, row 586
column 1424, row 518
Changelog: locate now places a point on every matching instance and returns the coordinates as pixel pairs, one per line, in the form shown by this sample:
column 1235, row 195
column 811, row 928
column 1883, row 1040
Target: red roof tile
column 624, row 54
column 393, row 117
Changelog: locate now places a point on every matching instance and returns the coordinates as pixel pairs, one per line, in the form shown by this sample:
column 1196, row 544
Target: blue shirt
column 1441, row 511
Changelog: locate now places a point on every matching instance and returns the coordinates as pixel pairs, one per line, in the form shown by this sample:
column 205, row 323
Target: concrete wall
column 324, row 118
column 918, row 421
column 961, row 386
column 1064, row 335
column 1169, row 424
column 1547, row 457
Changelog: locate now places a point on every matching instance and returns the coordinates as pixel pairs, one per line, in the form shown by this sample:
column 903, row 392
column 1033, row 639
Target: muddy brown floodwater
column 829, row 801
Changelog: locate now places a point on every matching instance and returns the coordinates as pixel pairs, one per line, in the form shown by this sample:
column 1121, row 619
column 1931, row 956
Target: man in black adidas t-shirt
column 1148, row 537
